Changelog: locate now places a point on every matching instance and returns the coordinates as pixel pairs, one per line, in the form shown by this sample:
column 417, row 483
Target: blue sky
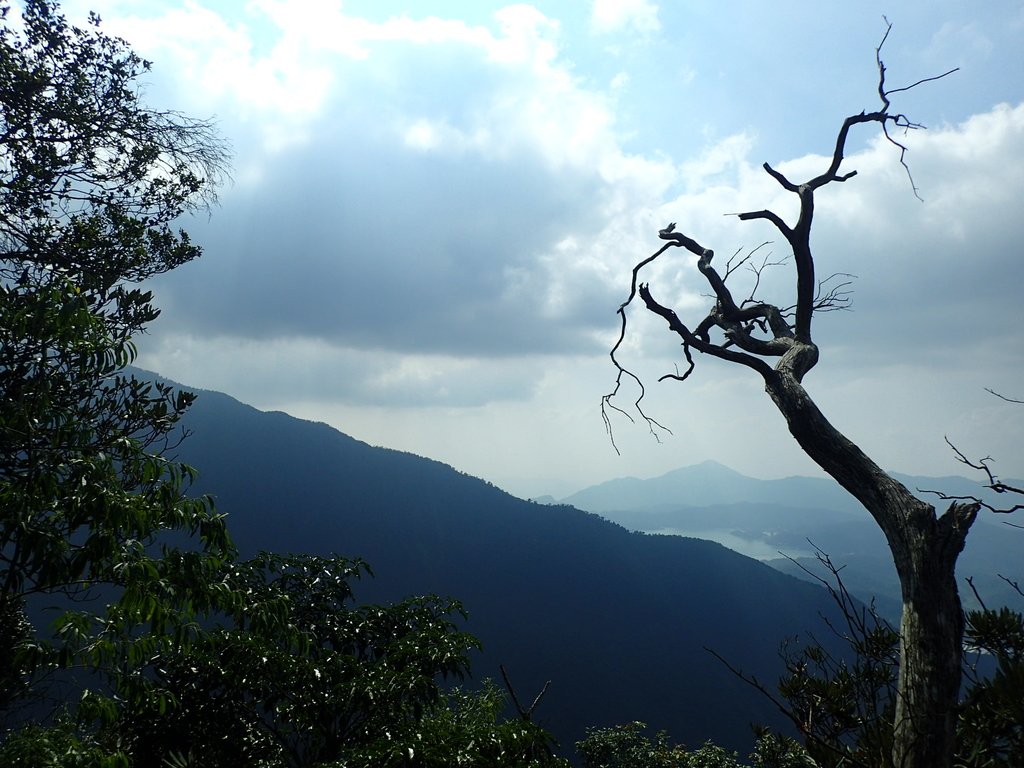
column 436, row 207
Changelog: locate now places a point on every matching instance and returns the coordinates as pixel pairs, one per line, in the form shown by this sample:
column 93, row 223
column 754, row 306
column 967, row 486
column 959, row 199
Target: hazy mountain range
column 781, row 522
column 618, row 621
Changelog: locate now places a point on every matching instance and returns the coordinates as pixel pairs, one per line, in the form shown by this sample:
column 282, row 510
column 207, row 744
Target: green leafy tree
column 991, row 729
column 90, row 182
column 299, row 675
column 15, row 640
column 468, row 728
column 57, row 746
column 626, row 746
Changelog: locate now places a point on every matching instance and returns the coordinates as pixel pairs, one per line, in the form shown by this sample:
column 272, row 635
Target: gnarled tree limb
column 924, row 545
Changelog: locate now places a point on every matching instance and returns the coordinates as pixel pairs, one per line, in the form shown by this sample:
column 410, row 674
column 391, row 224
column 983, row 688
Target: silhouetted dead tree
column 776, row 343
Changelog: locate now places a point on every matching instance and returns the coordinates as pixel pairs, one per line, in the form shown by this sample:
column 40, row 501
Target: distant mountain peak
column 710, row 483
column 706, row 466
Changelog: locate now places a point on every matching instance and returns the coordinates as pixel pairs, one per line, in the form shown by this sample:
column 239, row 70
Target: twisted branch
column 790, row 328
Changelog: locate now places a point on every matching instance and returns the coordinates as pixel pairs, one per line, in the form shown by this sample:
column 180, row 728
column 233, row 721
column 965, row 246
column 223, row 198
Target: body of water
column 758, row 545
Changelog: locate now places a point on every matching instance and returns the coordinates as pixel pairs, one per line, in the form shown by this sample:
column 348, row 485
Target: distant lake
column 755, row 544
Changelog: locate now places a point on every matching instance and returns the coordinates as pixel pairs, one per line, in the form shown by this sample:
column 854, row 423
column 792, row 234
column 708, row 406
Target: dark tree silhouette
column 776, row 343
column 91, row 183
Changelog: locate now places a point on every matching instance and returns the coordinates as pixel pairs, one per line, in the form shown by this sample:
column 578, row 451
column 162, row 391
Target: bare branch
column 524, row 714
column 882, row 93
column 606, row 404
column 715, row 350
column 732, row 265
column 834, row 297
column 803, row 726
column 993, row 484
column 779, row 177
column 903, row 154
column 899, row 120
column 981, row 602
column 1004, row 397
column 689, row 369
column 771, row 216
column 738, row 323
column 1014, row 585
column 606, row 400
column 922, row 80
column 758, row 270
column 761, row 687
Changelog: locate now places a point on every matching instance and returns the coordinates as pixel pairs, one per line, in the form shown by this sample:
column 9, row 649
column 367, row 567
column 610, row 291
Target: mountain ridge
column 785, row 522
column 710, row 483
column 617, row 621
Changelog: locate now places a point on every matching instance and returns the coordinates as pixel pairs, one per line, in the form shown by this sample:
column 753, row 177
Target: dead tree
column 776, row 343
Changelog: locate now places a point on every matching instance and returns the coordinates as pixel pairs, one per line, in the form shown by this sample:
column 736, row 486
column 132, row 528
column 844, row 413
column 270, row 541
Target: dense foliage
column 90, row 182
column 300, row 676
column 992, row 717
column 627, row 746
column 191, row 655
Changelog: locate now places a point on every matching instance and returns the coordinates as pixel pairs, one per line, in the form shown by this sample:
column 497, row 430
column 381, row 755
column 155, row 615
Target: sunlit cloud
column 614, row 15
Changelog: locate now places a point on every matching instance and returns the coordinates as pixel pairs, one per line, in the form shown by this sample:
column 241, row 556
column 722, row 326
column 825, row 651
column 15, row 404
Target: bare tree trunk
column 925, row 550
column 931, row 632
column 924, row 546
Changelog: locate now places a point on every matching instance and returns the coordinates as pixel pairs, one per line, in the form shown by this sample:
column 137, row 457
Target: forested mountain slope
column 617, row 621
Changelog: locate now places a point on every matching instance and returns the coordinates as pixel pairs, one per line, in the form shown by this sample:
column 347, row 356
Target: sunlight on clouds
column 323, row 26
column 422, row 134
column 969, row 177
column 976, row 169
column 229, row 63
column 728, row 155
column 277, row 69
column 980, row 141
column 528, row 37
column 426, row 135
column 614, row 15
column 422, row 378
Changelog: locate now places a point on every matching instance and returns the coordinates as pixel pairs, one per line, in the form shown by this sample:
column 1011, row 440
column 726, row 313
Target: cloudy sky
column 435, row 209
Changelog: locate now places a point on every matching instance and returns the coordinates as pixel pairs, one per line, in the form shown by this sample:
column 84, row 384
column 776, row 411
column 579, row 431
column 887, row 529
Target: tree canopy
column 194, row 656
column 91, row 181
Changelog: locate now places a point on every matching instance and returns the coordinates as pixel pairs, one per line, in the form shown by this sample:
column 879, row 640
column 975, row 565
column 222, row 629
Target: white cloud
column 279, row 71
column 615, row 15
column 728, row 156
